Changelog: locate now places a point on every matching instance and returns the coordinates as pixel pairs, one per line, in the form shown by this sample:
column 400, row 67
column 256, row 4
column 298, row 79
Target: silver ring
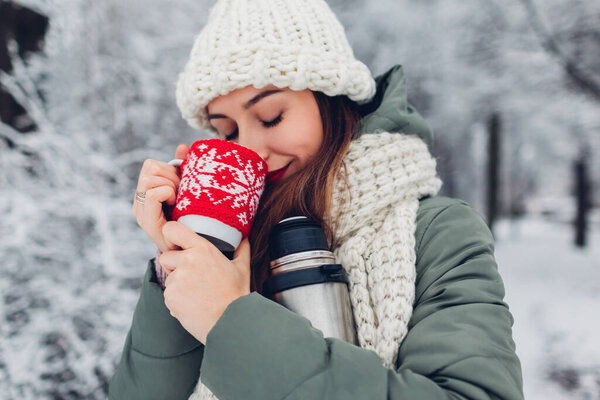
column 140, row 197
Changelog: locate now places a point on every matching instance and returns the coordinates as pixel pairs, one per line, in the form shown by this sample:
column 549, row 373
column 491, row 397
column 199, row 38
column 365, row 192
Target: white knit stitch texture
column 388, row 173
column 297, row 44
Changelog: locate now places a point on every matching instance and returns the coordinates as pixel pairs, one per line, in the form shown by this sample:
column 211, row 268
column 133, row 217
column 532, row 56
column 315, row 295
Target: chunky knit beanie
column 298, row 44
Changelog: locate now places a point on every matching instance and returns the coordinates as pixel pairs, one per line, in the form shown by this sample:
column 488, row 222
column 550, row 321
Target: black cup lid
column 295, row 235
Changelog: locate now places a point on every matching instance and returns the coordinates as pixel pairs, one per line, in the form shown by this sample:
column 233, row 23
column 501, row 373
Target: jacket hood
column 390, row 111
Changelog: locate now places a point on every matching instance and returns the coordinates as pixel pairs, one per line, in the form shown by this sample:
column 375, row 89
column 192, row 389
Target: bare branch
column 9, row 133
column 585, row 82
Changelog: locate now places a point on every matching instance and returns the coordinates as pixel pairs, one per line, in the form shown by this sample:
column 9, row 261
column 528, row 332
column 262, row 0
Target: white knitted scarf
column 387, row 174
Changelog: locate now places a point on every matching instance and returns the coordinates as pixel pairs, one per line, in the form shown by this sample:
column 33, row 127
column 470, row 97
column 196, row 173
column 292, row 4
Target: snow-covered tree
column 102, row 98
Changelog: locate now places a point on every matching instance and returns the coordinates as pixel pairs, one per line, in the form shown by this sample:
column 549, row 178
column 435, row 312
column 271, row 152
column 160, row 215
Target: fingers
column 167, row 261
column 170, row 260
column 158, row 168
column 151, row 182
column 182, row 151
column 159, row 181
column 154, row 199
column 178, row 234
column 179, row 238
column 150, row 216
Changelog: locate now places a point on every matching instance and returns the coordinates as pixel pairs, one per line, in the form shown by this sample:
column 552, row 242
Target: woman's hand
column 202, row 282
column 159, row 181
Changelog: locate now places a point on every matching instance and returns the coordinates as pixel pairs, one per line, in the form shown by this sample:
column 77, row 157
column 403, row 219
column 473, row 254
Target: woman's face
column 282, row 125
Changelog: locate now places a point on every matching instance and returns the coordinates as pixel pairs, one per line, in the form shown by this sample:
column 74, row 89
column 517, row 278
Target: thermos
column 306, row 280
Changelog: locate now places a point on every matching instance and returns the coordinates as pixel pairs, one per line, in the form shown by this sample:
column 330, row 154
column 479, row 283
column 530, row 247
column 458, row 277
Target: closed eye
column 266, row 124
column 274, row 122
column 231, row 136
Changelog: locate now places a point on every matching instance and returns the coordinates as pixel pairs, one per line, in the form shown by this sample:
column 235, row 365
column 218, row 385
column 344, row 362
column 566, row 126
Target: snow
column 553, row 291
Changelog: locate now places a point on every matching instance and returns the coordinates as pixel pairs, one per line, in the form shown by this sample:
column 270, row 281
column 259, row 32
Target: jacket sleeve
column 459, row 344
column 160, row 359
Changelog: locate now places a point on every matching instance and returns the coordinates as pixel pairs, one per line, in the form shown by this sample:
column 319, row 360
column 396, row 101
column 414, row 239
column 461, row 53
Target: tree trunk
column 493, row 168
column 581, row 197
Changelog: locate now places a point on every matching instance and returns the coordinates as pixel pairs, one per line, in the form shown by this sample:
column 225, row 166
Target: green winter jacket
column 459, row 344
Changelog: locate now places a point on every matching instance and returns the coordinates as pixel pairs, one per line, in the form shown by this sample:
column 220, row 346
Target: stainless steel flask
column 306, row 280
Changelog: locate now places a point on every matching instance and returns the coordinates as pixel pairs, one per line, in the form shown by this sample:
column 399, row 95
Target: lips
column 276, row 174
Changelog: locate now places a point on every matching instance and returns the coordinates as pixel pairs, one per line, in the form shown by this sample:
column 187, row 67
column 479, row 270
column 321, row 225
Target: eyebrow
column 250, row 102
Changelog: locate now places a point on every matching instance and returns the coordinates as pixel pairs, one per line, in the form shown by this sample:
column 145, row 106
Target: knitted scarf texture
column 387, row 174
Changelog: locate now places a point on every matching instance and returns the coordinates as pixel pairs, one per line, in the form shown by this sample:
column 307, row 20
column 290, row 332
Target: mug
column 219, row 192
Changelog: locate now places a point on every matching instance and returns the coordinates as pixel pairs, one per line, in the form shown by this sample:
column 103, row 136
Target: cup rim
column 176, row 162
column 213, row 227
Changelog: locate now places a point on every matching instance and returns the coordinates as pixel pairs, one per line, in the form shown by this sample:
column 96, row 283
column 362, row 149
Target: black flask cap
column 295, row 235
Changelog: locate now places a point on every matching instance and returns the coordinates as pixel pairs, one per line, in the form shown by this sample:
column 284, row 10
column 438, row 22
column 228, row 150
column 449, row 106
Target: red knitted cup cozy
column 221, row 185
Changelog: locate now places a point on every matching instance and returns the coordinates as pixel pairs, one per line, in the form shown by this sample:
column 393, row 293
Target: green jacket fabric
column 459, row 344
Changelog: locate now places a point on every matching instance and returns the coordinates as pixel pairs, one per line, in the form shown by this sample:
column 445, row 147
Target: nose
column 255, row 142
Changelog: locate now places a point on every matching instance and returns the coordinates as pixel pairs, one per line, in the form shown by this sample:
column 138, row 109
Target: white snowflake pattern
column 243, row 218
column 244, row 190
column 183, row 203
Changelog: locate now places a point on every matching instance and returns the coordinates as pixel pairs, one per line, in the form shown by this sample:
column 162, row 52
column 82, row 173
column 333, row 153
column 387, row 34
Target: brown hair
column 308, row 192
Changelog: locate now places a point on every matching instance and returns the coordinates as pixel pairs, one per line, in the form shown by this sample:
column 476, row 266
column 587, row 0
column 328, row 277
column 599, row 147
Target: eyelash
column 267, row 124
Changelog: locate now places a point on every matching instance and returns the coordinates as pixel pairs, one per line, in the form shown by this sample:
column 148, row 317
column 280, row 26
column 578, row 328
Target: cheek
column 313, row 134
column 309, row 135
column 305, row 140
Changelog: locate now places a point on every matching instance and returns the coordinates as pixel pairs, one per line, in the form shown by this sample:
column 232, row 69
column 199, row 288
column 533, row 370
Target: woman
column 280, row 78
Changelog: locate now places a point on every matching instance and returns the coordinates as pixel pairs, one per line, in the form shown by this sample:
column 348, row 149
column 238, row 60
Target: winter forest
column 87, row 94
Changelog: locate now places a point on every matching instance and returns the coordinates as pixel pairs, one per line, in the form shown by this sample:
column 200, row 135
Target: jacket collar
column 390, row 111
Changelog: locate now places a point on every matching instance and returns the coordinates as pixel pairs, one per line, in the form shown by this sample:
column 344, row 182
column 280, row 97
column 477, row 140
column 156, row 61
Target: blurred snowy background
column 87, row 93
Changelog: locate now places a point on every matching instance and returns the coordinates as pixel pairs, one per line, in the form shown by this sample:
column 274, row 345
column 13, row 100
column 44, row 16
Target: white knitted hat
column 298, row 44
